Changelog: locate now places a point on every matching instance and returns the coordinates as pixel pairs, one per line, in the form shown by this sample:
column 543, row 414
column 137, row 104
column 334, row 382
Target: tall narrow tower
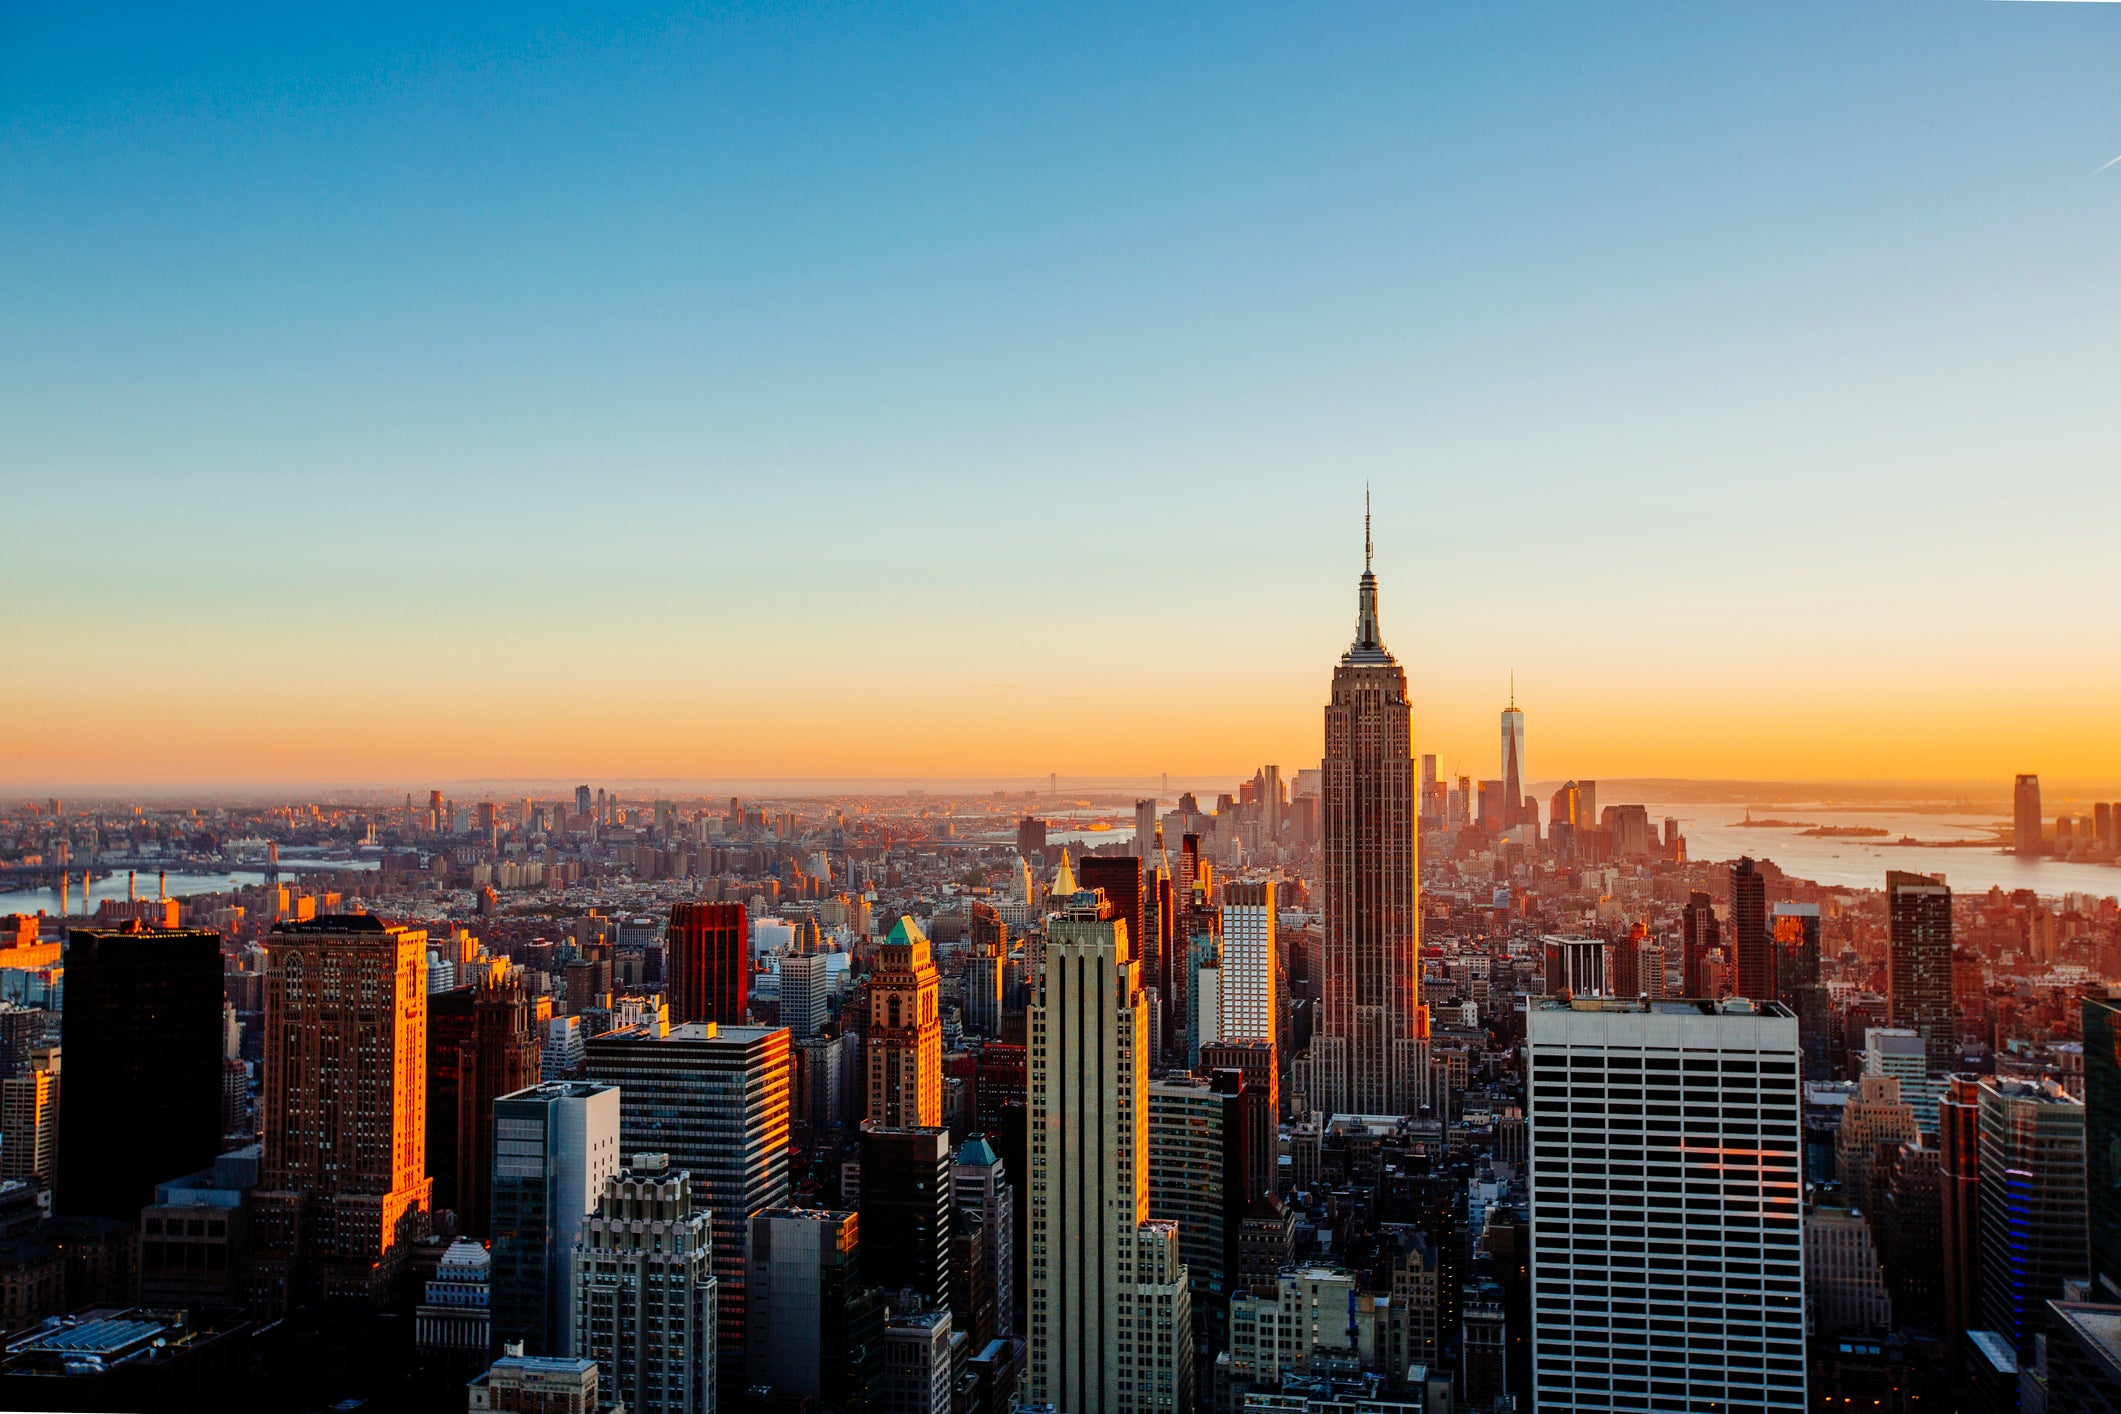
column 905, row 1042
column 1512, row 760
column 1370, row 1055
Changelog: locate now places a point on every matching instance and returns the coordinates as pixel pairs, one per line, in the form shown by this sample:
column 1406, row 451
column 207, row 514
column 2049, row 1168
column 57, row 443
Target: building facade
column 554, row 1145
column 1662, row 1134
column 707, row 959
column 1920, row 975
column 343, row 1192
column 644, row 1292
column 716, row 1100
column 1093, row 1250
column 1369, row 1053
column 2032, row 1205
column 904, row 1044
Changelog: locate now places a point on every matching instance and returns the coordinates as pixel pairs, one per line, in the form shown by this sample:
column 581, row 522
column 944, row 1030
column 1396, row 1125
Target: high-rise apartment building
column 1752, row 950
column 716, row 1100
column 29, row 1119
column 343, row 1192
column 1513, row 770
column 1250, row 1003
column 904, row 1046
column 554, row 1146
column 2032, row 1205
column 1920, row 975
column 2026, row 830
column 1666, row 1200
column 907, row 1179
column 984, row 1195
column 645, row 1292
column 707, row 959
column 1095, row 1256
column 141, row 1032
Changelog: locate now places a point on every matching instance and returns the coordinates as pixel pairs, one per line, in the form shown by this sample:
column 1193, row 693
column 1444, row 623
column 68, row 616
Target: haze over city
column 932, row 709
column 687, row 394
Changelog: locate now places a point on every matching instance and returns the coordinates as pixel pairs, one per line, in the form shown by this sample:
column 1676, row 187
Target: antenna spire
column 1513, row 689
column 1366, row 527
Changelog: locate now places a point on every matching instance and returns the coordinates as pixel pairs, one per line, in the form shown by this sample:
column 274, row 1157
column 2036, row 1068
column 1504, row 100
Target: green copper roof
column 906, row 931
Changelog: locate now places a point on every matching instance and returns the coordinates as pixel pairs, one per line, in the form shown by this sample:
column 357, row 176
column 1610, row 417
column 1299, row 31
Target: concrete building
column 1250, row 1004
column 29, row 1119
column 1704, row 1097
column 455, row 1314
column 916, row 1377
column 1843, row 1279
column 1874, row 1115
column 536, row 1384
column 1094, row 1253
column 983, row 1193
column 555, row 1145
column 644, row 1292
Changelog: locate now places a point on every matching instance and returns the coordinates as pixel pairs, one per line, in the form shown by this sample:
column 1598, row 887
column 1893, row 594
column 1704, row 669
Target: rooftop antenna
column 1513, row 689
column 1366, row 527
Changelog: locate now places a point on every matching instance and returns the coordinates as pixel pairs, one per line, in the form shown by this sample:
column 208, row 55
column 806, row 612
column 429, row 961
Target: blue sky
column 799, row 351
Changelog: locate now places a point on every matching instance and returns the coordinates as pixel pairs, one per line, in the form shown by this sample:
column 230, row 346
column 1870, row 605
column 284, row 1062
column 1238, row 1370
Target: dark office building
column 1031, row 837
column 905, row 1209
column 2102, row 1143
column 1700, row 935
column 1258, row 1088
column 142, row 1041
column 707, row 954
column 1752, row 951
column 482, row 1042
column 1120, row 876
column 1920, row 976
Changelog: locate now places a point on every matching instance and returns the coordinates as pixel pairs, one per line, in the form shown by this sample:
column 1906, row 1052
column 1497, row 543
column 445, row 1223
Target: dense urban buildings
column 1178, row 1148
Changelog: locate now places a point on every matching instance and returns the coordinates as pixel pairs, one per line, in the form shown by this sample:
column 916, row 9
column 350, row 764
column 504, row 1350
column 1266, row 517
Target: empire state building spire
column 1369, row 644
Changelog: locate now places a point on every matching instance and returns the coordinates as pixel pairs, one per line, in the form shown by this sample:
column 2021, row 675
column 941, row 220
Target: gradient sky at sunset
column 593, row 391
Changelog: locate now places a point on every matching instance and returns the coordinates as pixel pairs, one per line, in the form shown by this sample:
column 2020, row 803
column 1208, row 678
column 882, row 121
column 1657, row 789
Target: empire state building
column 1370, row 1055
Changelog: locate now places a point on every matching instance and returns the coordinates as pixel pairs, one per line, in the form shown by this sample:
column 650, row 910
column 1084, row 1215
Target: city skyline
column 583, row 344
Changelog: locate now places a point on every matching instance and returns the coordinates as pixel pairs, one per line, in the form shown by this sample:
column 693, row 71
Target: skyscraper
column 1920, row 976
column 803, row 1265
column 904, row 1046
column 2102, row 1143
column 1796, row 932
column 707, row 956
column 1250, row 1001
column 1197, row 1179
column 1369, row 1053
column 2026, row 836
column 715, row 1099
column 645, row 1295
column 29, row 1119
column 554, row 1145
column 1959, row 1209
column 1094, row 1254
column 500, row 1050
column 141, row 1034
column 1145, row 830
column 1752, row 951
column 805, row 993
column 907, row 1181
column 343, row 1192
column 1611, row 1153
column 984, row 1194
column 1700, row 935
column 2033, row 1221
column 1513, row 777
